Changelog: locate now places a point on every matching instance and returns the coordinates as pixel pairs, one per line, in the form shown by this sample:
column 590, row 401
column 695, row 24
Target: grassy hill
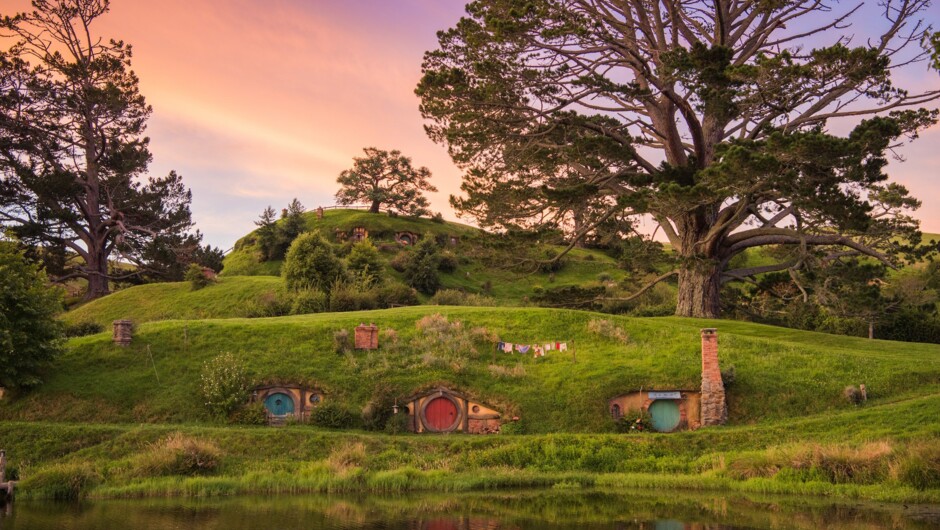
column 779, row 373
column 790, row 428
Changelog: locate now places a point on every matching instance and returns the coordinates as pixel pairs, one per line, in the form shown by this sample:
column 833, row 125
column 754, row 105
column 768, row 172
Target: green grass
column 161, row 301
column 780, row 373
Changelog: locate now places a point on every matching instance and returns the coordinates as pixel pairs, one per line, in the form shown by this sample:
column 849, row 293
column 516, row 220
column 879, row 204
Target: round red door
column 441, row 414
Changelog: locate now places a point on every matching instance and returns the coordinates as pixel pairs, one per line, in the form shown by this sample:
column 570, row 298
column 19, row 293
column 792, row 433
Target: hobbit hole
column 444, row 411
column 288, row 401
column 673, row 410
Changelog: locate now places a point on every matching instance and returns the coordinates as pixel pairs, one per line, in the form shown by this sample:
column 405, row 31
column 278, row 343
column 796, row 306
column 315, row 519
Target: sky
column 256, row 102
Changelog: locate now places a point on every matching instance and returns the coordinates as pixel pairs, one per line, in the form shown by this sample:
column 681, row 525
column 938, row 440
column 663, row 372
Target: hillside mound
column 779, row 373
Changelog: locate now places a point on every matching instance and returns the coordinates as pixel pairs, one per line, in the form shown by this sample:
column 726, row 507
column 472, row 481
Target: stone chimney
column 714, row 407
column 123, row 332
column 367, row 337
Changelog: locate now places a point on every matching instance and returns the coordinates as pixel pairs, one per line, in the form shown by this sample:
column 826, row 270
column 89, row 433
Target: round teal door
column 279, row 404
column 664, row 414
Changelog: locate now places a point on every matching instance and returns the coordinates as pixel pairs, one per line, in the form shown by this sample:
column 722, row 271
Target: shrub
column 437, row 218
column 224, row 384
column 178, row 455
column 448, row 297
column 448, row 262
column 349, row 297
column 852, row 394
column 604, row 277
column 269, row 304
column 82, row 329
column 332, row 415
column 252, row 413
column 397, row 294
column 608, row 330
column 311, row 263
column 378, row 411
column 728, row 377
column 421, row 271
column 550, row 262
column 398, row 423
column 308, row 301
column 341, row 341
column 365, row 261
column 196, row 277
column 30, row 335
column 634, row 421
column 400, row 261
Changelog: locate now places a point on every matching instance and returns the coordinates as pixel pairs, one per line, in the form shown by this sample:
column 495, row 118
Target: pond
column 544, row 509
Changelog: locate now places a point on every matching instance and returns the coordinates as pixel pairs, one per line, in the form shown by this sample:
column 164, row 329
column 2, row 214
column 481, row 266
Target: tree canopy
column 385, row 178
column 717, row 119
column 73, row 154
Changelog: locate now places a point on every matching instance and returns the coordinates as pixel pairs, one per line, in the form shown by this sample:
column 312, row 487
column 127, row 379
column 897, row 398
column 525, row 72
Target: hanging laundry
column 522, row 348
column 548, row 347
column 499, row 346
column 562, row 346
column 538, row 352
column 507, row 347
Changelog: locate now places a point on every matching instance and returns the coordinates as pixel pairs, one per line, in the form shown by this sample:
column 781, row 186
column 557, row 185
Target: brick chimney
column 367, row 337
column 123, row 332
column 714, row 408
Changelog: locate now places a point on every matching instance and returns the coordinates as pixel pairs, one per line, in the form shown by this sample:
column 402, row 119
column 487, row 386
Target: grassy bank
column 68, row 461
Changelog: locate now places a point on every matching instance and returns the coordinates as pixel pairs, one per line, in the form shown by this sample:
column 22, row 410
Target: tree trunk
column 375, row 207
column 699, row 284
column 97, row 276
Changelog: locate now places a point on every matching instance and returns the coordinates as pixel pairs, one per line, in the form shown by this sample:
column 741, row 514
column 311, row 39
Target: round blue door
column 664, row 414
column 279, row 404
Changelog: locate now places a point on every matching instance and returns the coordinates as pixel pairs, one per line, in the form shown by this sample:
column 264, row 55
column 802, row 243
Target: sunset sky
column 257, row 102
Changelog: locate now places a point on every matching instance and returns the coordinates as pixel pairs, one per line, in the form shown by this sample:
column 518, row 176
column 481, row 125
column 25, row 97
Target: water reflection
column 475, row 511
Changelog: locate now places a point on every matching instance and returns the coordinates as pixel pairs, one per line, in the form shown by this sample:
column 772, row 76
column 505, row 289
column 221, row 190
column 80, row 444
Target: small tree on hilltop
column 311, row 264
column 385, row 178
column 30, row 335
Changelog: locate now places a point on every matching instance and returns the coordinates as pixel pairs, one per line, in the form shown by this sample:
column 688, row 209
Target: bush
column 398, row 423
column 178, row 455
column 332, row 415
column 549, row 262
column 82, row 329
column 30, row 334
column 196, row 277
column 448, row 297
column 397, row 294
column 378, row 411
column 400, row 261
column 252, row 413
column 606, row 329
column 311, row 264
column 224, row 384
column 634, row 421
column 348, row 297
column 341, row 341
column 269, row 304
column 308, row 301
column 852, row 394
column 448, row 262
column 421, row 271
column 364, row 260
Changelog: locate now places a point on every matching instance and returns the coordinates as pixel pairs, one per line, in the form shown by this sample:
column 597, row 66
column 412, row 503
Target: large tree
column 385, row 177
column 714, row 118
column 73, row 154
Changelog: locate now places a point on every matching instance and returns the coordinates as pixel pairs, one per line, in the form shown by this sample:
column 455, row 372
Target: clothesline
column 538, row 349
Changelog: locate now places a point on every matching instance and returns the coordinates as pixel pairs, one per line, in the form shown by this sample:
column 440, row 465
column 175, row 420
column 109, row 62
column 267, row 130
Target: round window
column 476, row 408
column 314, row 398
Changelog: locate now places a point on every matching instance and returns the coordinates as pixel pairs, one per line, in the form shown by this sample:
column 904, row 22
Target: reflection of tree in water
column 567, row 507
